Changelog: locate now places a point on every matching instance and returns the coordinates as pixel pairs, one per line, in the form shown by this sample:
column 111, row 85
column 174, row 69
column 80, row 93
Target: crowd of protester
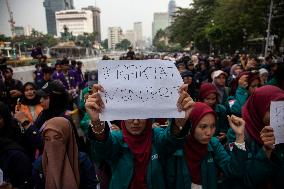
column 51, row 136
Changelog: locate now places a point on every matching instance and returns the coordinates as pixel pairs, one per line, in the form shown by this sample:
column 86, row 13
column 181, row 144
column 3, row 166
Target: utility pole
column 268, row 29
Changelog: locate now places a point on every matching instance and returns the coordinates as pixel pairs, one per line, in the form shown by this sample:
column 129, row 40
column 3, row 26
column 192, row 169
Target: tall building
column 96, row 21
column 161, row 21
column 77, row 21
column 172, row 8
column 19, row 31
column 138, row 31
column 130, row 35
column 139, row 36
column 114, row 36
column 51, row 6
column 28, row 30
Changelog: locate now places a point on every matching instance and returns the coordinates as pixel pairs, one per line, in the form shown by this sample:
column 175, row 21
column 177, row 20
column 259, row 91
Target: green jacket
column 178, row 175
column 236, row 102
column 259, row 169
column 272, row 81
column 84, row 123
column 222, row 124
column 116, row 152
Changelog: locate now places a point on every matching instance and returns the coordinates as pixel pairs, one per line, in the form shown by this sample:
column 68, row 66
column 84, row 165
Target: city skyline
column 113, row 13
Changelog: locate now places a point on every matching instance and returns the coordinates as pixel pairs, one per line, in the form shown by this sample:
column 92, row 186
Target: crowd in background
column 50, row 136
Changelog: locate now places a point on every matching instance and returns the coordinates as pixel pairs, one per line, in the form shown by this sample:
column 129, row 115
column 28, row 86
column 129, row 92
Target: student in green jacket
column 265, row 165
column 135, row 153
column 209, row 95
column 198, row 164
column 243, row 87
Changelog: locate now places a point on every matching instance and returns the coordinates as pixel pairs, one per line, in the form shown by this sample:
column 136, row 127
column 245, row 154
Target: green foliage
column 225, row 25
column 123, row 45
column 105, row 44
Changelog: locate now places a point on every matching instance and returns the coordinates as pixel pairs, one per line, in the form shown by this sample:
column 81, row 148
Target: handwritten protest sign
column 139, row 89
column 277, row 120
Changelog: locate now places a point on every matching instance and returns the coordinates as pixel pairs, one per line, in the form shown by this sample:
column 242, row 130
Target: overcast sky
column 114, row 13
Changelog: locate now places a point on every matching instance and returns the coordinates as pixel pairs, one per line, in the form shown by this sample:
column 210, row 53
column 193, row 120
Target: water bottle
column 1, row 177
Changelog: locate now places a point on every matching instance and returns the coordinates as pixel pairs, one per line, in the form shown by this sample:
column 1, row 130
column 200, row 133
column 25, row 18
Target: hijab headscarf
column 141, row 147
column 232, row 70
column 256, row 107
column 30, row 102
column 60, row 157
column 194, row 150
column 205, row 90
column 251, row 77
column 220, row 89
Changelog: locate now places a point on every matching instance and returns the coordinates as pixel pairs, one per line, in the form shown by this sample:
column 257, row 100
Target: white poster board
column 139, row 89
column 277, row 120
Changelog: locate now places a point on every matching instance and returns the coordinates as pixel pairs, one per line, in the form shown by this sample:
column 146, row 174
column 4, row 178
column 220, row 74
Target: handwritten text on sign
column 277, row 120
column 139, row 89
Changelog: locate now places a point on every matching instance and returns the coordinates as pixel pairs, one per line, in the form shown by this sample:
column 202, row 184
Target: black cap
column 52, row 88
column 186, row 74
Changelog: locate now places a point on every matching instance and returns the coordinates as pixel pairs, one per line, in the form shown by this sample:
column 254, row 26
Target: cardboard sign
column 139, row 89
column 277, row 120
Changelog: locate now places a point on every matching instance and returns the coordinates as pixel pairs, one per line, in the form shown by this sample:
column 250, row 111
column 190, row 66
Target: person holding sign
column 202, row 156
column 136, row 153
column 265, row 165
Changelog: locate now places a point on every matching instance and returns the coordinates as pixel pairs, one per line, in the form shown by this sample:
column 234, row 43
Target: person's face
column 58, row 68
column 65, row 67
column 135, row 126
column 44, row 101
column 191, row 66
column 266, row 118
column 238, row 70
column 47, row 76
column 263, row 78
column 202, row 67
column 52, row 136
column 221, row 80
column 212, row 62
column 251, row 64
column 187, row 80
column 1, row 122
column 254, row 85
column 8, row 75
column 79, row 66
column 211, row 100
column 205, row 129
column 29, row 92
column 181, row 67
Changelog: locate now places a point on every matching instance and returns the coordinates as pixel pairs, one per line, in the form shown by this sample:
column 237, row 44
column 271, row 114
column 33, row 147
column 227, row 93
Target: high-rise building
column 114, row 36
column 130, row 35
column 19, row 31
column 138, row 31
column 172, row 8
column 96, row 21
column 77, row 21
column 139, row 36
column 28, row 30
column 51, row 6
column 161, row 22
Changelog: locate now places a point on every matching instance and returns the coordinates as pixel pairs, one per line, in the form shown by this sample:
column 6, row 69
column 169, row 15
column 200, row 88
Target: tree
column 123, row 45
column 105, row 44
column 226, row 25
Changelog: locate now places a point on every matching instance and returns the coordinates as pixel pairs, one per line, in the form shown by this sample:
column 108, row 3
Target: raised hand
column 184, row 103
column 94, row 104
column 238, row 126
